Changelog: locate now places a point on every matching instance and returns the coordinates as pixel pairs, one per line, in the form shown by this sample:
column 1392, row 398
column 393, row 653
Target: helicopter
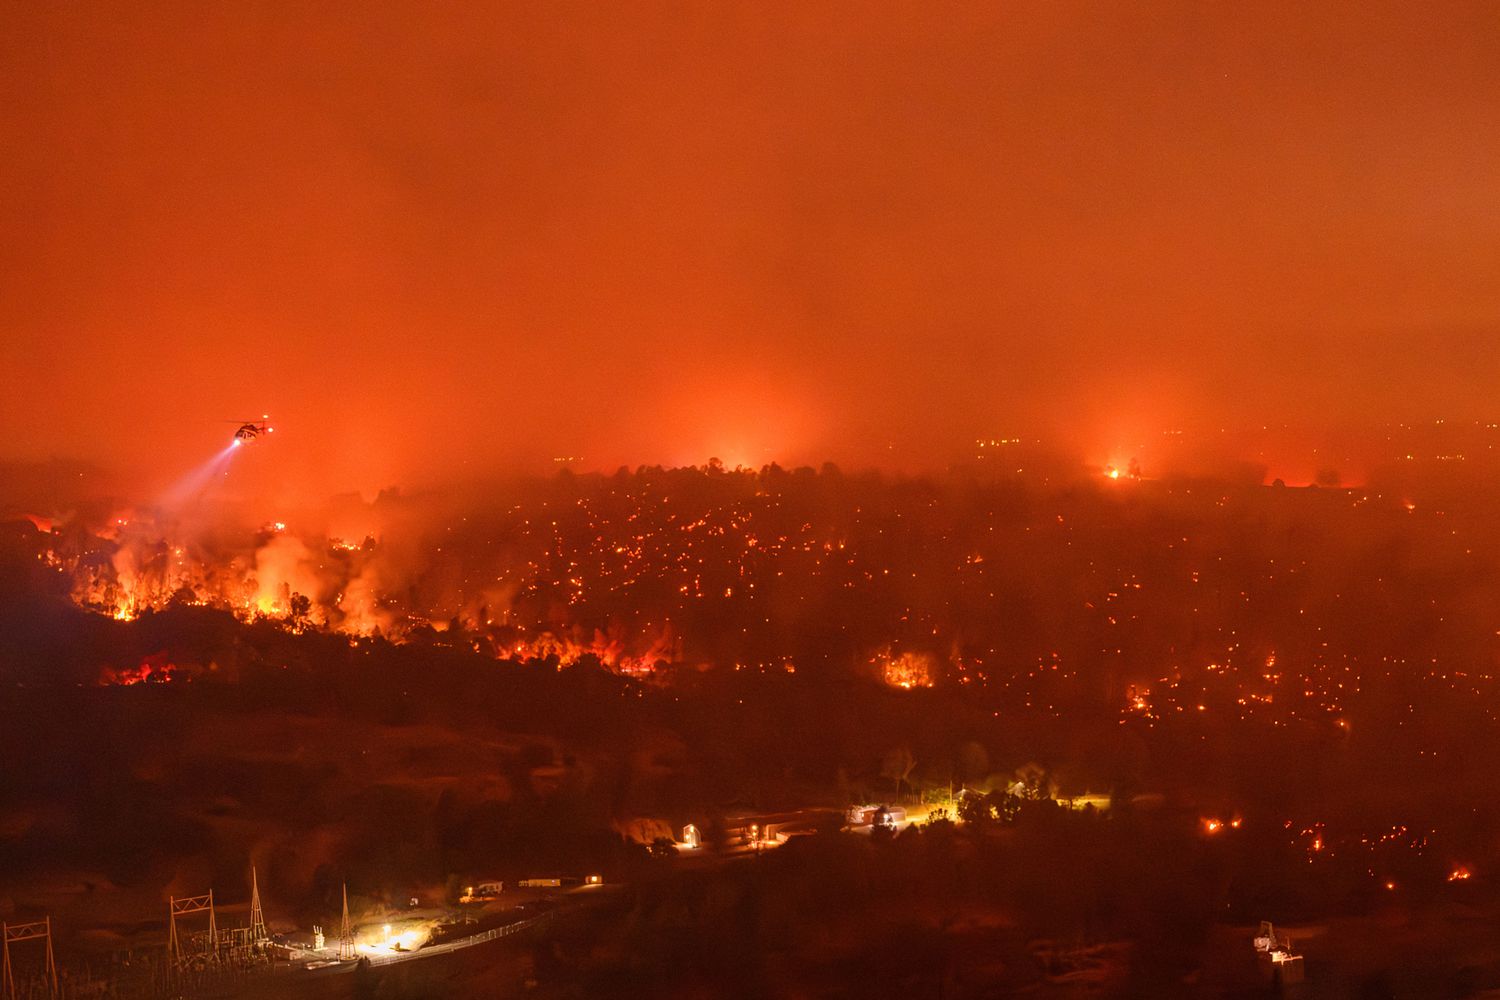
column 249, row 430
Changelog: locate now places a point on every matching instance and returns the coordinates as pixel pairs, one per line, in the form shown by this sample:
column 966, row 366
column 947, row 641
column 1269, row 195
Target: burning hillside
column 137, row 564
column 1035, row 597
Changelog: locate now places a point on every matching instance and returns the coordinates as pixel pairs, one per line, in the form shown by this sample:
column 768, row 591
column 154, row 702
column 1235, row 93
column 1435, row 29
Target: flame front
column 328, row 584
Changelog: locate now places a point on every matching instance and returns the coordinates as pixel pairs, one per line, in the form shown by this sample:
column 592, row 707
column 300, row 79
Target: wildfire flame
column 906, row 670
column 608, row 651
column 325, row 584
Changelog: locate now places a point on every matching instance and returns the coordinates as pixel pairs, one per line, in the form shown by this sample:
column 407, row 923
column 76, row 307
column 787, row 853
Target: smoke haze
column 440, row 243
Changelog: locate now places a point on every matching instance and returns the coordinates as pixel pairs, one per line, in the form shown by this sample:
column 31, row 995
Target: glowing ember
column 153, row 669
column 1138, row 702
column 908, row 670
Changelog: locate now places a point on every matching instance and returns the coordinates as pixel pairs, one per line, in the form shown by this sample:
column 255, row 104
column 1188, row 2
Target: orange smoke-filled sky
column 439, row 239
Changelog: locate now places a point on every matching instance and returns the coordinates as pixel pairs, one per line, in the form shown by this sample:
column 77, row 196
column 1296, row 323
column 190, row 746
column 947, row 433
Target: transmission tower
column 346, row 931
column 40, row 930
column 258, row 935
column 188, row 906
